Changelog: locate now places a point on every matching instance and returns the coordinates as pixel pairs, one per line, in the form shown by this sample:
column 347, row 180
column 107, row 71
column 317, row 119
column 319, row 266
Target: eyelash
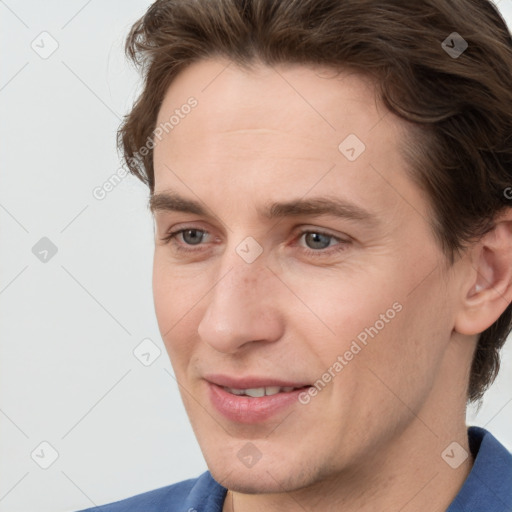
column 169, row 238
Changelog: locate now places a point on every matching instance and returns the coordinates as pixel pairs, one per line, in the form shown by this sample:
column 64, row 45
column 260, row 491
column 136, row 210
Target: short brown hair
column 459, row 106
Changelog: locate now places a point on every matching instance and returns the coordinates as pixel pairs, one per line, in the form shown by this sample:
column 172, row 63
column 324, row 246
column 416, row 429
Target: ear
column 488, row 290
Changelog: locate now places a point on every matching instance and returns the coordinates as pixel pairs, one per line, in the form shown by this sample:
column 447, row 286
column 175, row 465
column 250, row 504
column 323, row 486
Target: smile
column 252, row 405
column 259, row 392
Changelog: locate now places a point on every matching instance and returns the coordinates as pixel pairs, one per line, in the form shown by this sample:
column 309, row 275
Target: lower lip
column 244, row 409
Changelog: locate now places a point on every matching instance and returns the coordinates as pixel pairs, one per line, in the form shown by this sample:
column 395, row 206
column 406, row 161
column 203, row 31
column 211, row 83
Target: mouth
column 263, row 391
column 249, row 401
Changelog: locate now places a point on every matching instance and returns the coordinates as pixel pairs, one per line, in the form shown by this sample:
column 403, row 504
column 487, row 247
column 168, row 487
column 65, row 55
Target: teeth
column 235, row 391
column 255, row 392
column 259, row 392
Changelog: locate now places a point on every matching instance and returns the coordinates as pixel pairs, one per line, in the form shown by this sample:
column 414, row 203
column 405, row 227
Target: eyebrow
column 315, row 206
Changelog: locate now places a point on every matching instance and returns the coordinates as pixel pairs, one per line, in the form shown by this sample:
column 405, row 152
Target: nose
column 242, row 308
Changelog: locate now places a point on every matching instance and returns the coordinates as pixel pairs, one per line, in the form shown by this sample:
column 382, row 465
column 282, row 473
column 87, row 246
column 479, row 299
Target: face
column 293, row 259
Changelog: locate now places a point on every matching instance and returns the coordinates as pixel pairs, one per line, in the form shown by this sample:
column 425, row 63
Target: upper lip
column 252, row 382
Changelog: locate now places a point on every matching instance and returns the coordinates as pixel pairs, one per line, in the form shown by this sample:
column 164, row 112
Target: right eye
column 181, row 238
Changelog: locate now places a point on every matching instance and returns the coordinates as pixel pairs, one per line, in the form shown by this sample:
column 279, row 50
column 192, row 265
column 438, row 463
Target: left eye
column 316, row 240
column 193, row 236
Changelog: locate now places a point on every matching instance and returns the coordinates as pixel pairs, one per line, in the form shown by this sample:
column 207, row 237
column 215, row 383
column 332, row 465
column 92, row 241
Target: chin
column 249, row 486
column 264, row 479
column 248, row 481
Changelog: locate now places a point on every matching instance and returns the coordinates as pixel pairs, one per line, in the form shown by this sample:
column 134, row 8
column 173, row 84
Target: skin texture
column 372, row 439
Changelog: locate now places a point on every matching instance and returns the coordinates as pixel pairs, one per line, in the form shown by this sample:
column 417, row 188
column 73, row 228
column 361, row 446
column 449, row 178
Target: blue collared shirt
column 488, row 487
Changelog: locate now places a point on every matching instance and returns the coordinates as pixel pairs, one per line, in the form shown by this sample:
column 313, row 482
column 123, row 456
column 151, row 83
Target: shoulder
column 202, row 494
column 489, row 484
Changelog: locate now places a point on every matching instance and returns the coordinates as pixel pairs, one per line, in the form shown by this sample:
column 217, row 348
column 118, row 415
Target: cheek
column 343, row 309
column 403, row 360
column 175, row 292
column 174, row 302
column 163, row 297
column 370, row 322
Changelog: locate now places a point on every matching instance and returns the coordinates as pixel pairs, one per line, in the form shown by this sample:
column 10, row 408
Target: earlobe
column 488, row 291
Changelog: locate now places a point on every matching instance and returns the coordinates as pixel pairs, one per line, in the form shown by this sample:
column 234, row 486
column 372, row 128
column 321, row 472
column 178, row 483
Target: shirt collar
column 489, row 484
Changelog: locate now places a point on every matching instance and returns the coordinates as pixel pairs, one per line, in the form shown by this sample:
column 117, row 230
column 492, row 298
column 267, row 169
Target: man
column 330, row 182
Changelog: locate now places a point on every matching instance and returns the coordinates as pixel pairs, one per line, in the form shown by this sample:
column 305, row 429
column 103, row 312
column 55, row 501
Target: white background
column 69, row 326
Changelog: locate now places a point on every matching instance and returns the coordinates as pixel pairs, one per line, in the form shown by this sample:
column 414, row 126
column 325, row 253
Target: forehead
column 266, row 98
column 277, row 128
